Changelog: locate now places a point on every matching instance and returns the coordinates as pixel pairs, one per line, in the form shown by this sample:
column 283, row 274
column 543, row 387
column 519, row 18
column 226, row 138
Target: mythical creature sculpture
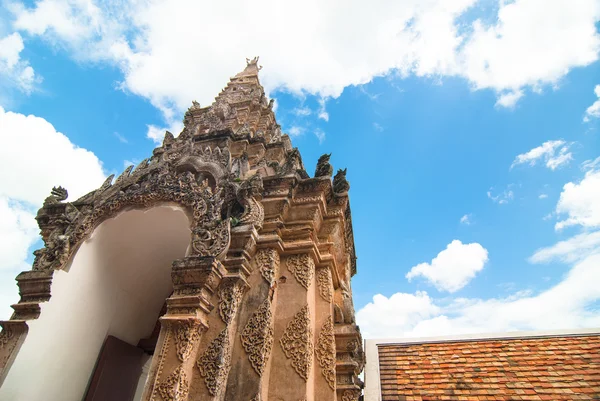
column 340, row 184
column 57, row 195
column 324, row 169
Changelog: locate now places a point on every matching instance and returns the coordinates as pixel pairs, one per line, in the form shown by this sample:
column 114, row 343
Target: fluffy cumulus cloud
column 528, row 44
column 553, row 153
column 453, row 267
column 34, row 158
column 593, row 111
column 580, row 202
column 564, row 305
column 15, row 71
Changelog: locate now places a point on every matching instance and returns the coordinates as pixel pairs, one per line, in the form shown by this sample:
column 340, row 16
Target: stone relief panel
column 302, row 266
column 257, row 337
column 324, row 283
column 230, row 296
column 296, row 343
column 187, row 335
column 175, row 387
column 215, row 362
column 267, row 260
column 325, row 352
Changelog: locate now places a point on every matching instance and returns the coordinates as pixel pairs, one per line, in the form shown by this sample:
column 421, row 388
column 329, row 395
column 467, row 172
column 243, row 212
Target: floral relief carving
column 267, row 260
column 302, row 266
column 215, row 363
column 351, row 395
column 230, row 296
column 257, row 337
column 326, row 353
column 175, row 387
column 187, row 334
column 296, row 342
column 324, row 283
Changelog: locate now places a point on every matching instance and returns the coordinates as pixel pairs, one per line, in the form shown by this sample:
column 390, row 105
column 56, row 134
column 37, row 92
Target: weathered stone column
column 325, row 352
column 195, row 280
column 292, row 367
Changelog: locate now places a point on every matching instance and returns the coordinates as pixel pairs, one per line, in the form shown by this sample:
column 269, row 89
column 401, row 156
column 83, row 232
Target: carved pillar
column 195, row 280
column 292, row 367
column 251, row 368
column 325, row 350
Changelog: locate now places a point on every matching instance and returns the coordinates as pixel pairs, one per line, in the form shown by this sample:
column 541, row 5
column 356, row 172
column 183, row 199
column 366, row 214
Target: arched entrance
column 115, row 285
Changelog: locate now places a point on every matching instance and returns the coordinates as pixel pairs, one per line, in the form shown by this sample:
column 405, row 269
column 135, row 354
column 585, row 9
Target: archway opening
column 115, row 286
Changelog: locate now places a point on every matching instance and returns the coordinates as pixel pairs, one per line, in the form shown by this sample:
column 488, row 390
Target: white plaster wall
column 115, row 285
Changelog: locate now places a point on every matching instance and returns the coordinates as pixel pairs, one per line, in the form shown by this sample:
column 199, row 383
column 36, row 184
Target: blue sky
column 469, row 130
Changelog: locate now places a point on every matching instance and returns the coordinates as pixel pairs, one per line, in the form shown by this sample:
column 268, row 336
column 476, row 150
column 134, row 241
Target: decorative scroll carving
column 324, row 169
column 215, row 363
column 326, row 353
column 302, row 266
column 230, row 296
column 340, row 183
column 351, row 395
column 324, row 283
column 296, row 342
column 176, row 387
column 254, row 213
column 5, row 336
column 57, row 195
column 257, row 337
column 267, row 260
column 187, row 334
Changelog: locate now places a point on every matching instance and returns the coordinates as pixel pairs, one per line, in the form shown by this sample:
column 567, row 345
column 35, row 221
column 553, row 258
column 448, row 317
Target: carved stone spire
column 242, row 107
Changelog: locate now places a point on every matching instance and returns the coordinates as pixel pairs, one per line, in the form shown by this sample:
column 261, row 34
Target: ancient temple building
column 216, row 269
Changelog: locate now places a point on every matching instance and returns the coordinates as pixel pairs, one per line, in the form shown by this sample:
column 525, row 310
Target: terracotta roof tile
column 552, row 368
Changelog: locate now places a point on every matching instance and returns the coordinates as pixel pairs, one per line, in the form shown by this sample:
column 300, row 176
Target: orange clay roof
column 551, row 368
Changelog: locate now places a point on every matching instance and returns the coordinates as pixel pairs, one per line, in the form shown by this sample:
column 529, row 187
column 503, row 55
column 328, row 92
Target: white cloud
column 120, row 137
column 295, row 131
column 554, row 153
column 302, row 111
column 377, row 127
column 34, row 158
column 575, row 248
column 580, row 202
column 16, row 71
column 563, row 306
column 509, row 99
column 594, row 110
column 591, row 164
column 543, row 196
column 453, row 267
column 503, row 197
column 322, row 113
column 319, row 134
column 531, row 43
column 157, row 134
column 466, row 219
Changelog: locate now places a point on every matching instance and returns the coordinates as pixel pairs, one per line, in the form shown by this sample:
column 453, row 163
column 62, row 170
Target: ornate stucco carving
column 340, row 183
column 215, row 362
column 324, row 169
column 351, row 395
column 325, row 352
column 257, row 337
column 230, row 296
column 267, row 260
column 302, row 266
column 5, row 336
column 175, row 387
column 324, row 283
column 296, row 343
column 186, row 336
